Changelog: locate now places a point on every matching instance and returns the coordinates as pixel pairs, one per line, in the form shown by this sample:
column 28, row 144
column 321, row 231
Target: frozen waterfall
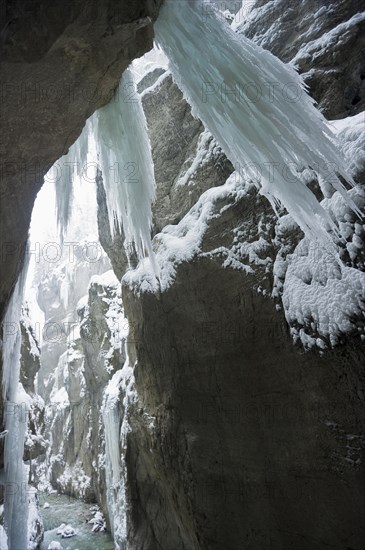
column 118, row 396
column 255, row 106
column 16, row 416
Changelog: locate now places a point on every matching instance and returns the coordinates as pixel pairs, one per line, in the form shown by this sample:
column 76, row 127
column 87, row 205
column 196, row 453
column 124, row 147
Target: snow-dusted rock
column 232, row 362
column 61, row 528
column 98, row 522
column 67, row 531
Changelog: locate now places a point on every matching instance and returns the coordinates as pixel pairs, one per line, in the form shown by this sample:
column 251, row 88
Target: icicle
column 116, row 425
column 125, row 157
column 220, row 72
column 63, row 173
column 16, row 407
column 118, row 133
column 64, row 194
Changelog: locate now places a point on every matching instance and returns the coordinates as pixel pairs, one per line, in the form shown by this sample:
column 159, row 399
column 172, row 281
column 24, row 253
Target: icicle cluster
column 70, row 164
column 125, row 157
column 116, row 139
column 255, row 106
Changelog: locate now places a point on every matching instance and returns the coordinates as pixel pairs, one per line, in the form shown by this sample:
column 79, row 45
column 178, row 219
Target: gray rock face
column 35, row 444
column 187, row 160
column 254, row 439
column 30, row 352
column 325, row 40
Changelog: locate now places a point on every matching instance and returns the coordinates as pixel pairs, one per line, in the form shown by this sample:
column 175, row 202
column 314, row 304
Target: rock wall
column 325, row 41
column 62, row 284
column 35, row 443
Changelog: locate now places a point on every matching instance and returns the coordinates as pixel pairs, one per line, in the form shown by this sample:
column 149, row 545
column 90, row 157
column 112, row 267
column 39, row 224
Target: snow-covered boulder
column 61, row 528
column 66, row 531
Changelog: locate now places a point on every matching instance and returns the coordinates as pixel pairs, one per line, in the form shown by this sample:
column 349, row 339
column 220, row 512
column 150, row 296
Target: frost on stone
column 66, row 531
column 97, row 521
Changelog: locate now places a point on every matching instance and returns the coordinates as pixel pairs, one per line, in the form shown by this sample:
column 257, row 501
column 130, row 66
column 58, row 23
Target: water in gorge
column 68, row 510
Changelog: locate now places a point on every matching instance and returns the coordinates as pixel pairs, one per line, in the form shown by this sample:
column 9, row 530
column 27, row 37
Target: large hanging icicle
column 124, row 151
column 116, row 139
column 16, row 406
column 63, row 173
column 245, row 97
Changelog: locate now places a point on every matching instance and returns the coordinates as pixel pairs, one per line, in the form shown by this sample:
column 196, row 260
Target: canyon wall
column 247, row 431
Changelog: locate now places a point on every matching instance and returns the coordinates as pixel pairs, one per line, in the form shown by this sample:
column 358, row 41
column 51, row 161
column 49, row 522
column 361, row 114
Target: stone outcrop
column 30, row 352
column 183, row 154
column 35, row 444
column 253, row 439
column 326, row 41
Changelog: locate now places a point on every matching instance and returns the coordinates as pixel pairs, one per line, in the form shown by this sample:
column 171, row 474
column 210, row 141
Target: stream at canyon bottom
column 64, row 509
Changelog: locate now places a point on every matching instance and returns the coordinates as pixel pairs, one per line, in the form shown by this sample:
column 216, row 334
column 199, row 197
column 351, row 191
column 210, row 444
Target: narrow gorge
column 182, row 276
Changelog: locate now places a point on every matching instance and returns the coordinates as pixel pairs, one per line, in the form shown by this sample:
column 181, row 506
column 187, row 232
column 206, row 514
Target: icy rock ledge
column 98, row 521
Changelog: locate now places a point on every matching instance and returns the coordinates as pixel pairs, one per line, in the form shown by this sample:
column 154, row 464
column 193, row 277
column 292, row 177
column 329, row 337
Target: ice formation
column 116, row 431
column 256, row 107
column 115, row 139
column 17, row 404
column 63, row 173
